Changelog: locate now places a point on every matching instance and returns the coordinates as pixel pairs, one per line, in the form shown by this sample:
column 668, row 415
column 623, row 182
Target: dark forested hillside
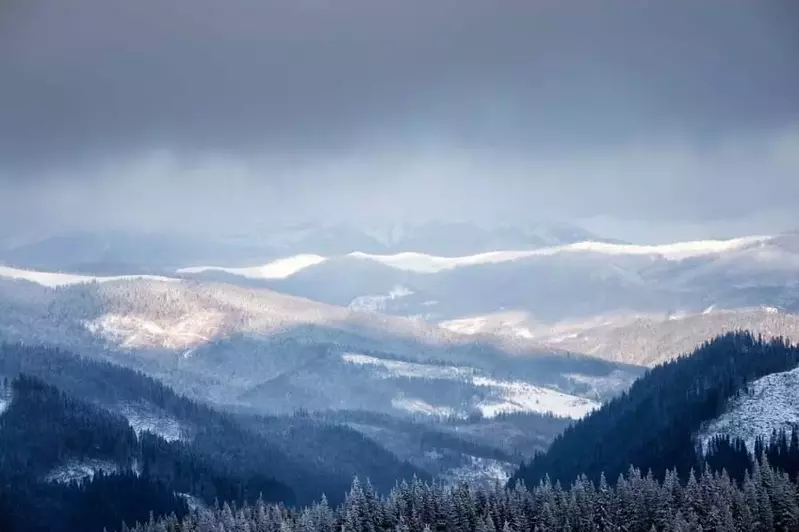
column 652, row 425
column 43, row 429
column 310, row 456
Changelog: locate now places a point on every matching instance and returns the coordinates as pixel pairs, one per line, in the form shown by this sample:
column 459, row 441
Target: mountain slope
column 653, row 425
column 309, row 457
column 259, row 349
column 767, row 405
column 642, row 339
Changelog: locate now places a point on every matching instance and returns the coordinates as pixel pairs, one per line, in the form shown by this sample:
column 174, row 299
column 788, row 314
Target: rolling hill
column 262, row 350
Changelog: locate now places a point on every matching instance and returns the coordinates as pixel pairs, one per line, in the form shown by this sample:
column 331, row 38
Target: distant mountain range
column 544, row 287
column 631, row 303
column 119, row 252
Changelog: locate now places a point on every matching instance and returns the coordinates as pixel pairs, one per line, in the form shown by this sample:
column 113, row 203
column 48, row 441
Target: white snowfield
column 771, row 404
column 278, row 269
column 506, row 396
column 54, row 280
column 424, row 263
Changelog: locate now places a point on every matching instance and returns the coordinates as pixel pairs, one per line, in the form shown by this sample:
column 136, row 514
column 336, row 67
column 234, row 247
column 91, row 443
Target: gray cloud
column 200, row 111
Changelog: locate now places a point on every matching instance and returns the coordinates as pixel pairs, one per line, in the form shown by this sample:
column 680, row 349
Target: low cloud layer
column 199, row 114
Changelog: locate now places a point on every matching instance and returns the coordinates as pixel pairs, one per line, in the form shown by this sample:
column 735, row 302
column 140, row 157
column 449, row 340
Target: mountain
column 622, row 302
column 118, row 252
column 304, row 457
column 260, row 349
column 256, row 352
column 634, row 338
column 655, row 424
column 552, row 284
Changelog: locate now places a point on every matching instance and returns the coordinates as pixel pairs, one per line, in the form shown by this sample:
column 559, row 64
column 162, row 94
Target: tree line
column 766, row 500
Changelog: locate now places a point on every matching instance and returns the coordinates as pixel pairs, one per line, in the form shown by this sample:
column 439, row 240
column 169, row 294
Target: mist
column 660, row 121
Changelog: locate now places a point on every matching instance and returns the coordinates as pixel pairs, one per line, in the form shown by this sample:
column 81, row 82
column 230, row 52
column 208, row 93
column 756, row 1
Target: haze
column 648, row 121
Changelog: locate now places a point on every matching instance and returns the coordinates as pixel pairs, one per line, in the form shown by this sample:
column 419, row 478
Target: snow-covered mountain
column 631, row 303
column 420, row 262
column 552, row 284
column 118, row 252
column 260, row 349
column 623, row 302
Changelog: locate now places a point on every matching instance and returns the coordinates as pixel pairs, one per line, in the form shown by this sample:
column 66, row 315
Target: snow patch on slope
column 146, row 418
column 377, row 303
column 417, row 406
column 396, row 368
column 80, row 470
column 54, row 280
column 504, row 323
column 132, row 331
column 518, row 396
column 506, row 395
column 278, row 269
column 772, row 403
column 5, row 396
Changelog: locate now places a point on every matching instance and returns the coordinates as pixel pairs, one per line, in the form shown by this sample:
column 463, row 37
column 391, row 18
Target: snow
column 396, row 368
column 424, row 263
column 278, row 269
column 377, row 303
column 417, row 406
column 78, row 470
column 610, row 384
column 194, row 503
column 54, row 280
column 771, row 404
column 507, row 395
column 4, row 404
column 471, row 325
column 518, row 396
column 508, row 323
column 129, row 331
column 145, row 418
column 480, row 472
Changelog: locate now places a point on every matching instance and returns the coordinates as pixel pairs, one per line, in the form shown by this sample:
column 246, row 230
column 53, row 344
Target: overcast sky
column 649, row 119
